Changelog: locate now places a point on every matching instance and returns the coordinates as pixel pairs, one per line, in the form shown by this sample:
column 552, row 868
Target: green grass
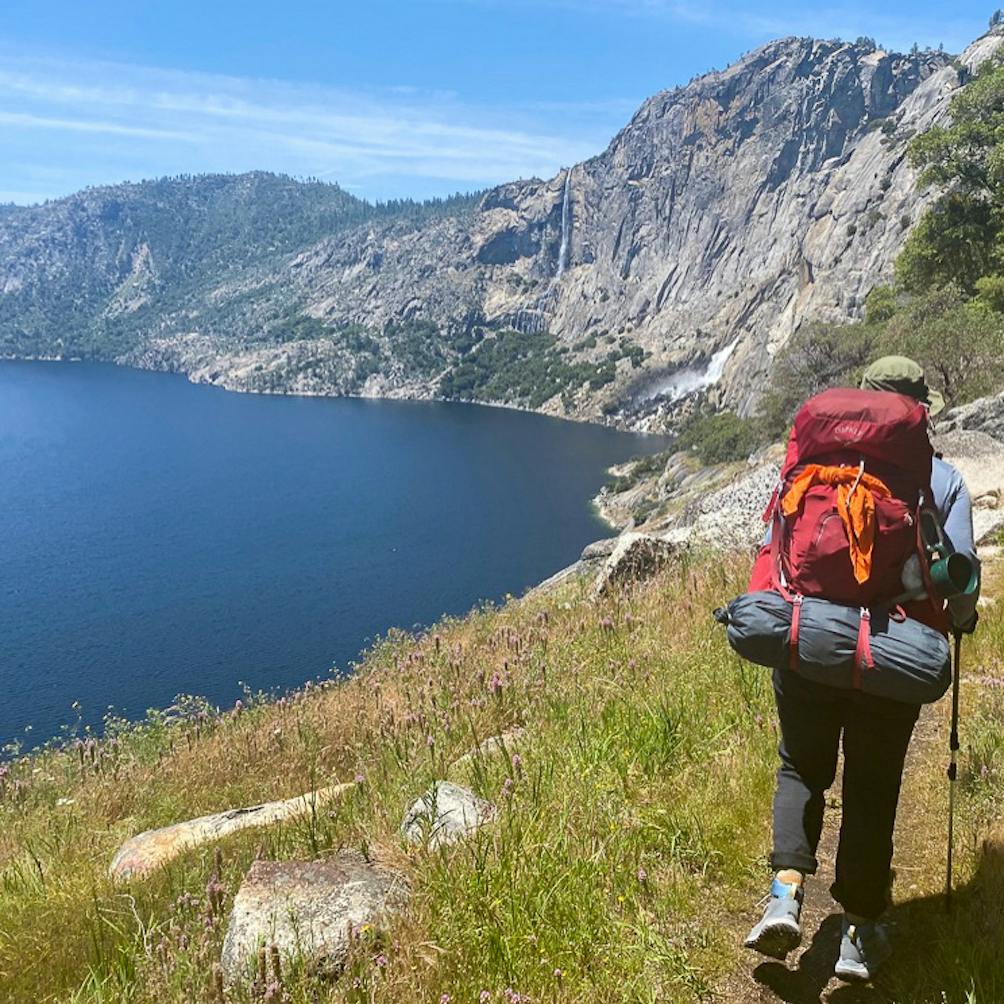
column 629, row 847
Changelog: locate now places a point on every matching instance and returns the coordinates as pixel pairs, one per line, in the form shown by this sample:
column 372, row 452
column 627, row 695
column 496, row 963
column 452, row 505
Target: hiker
column 876, row 732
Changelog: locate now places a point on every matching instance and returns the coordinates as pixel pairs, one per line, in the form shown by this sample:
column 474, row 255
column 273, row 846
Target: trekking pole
column 953, row 769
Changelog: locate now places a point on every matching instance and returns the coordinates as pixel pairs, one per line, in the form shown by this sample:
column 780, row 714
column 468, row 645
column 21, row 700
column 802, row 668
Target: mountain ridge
column 725, row 214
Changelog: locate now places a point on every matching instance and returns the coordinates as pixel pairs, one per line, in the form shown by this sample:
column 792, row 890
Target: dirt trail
column 807, row 976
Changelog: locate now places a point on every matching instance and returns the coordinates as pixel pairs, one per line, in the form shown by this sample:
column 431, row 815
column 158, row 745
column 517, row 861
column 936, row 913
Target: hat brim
column 935, row 402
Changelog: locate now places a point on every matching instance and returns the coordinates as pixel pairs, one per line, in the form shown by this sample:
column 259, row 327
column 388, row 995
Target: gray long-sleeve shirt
column 955, row 506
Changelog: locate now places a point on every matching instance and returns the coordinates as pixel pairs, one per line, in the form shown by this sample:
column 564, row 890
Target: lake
column 163, row 538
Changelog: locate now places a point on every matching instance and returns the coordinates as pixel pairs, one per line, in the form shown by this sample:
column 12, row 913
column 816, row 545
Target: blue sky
column 388, row 98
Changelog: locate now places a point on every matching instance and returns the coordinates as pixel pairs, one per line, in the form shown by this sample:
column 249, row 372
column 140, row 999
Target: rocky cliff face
column 723, row 216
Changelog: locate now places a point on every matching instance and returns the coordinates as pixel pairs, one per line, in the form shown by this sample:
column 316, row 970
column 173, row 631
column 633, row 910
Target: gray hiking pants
column 876, row 733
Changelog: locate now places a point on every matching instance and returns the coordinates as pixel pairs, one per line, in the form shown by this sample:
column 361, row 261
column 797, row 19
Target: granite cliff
column 723, row 216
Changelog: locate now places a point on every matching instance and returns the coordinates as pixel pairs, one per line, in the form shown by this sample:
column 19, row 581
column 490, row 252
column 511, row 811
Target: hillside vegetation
column 628, row 854
column 112, row 263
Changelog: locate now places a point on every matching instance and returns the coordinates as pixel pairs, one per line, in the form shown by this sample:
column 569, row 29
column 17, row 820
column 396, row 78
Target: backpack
column 845, row 516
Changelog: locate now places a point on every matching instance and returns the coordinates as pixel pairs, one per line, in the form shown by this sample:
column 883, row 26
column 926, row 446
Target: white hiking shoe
column 864, row 948
column 778, row 932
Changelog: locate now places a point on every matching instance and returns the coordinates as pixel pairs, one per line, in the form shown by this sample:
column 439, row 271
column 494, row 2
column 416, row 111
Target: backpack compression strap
column 863, row 659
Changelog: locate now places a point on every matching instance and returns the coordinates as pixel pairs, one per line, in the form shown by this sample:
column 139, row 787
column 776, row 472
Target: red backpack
column 842, row 440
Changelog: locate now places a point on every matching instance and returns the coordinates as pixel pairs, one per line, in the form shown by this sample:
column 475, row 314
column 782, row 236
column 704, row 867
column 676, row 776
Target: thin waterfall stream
column 533, row 320
column 565, row 225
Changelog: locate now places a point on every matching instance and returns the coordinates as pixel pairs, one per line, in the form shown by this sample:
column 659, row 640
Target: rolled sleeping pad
column 911, row 660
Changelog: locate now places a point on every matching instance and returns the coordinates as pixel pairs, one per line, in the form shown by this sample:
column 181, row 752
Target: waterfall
column 533, row 320
column 565, row 225
column 691, row 379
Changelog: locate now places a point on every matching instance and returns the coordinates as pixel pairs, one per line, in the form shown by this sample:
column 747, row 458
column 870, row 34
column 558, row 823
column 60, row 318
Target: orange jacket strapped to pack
column 856, row 493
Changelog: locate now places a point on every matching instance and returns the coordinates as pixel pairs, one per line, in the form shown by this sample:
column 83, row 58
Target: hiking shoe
column 864, row 947
column 778, row 931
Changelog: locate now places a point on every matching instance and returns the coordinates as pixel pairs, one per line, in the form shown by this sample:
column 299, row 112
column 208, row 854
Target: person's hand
column 970, row 625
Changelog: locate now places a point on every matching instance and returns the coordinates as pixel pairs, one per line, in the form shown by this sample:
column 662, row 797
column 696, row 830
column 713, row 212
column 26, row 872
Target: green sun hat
column 902, row 376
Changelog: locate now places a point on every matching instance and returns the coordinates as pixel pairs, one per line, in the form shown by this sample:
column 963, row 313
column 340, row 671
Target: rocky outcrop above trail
column 723, row 216
column 984, row 415
column 635, row 557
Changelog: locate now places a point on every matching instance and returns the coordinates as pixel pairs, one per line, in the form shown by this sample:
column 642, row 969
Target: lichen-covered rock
column 636, row 557
column 599, row 549
column 147, row 851
column 307, row 909
column 444, row 814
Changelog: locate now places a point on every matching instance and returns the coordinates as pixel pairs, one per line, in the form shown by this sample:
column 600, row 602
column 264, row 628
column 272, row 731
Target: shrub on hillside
column 957, row 341
column 818, row 356
column 720, row 437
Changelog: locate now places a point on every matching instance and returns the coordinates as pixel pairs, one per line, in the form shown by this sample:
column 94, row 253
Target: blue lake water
column 163, row 538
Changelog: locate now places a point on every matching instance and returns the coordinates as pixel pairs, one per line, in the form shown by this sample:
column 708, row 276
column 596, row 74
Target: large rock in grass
column 308, row 910
column 444, row 814
column 147, row 851
column 636, row 557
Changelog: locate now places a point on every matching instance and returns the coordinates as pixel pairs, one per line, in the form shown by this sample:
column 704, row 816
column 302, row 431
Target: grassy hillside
column 627, row 858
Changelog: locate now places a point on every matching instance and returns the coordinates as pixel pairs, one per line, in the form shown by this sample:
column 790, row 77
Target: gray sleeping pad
column 912, row 661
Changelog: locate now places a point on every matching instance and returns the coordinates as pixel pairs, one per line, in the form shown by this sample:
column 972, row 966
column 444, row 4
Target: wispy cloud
column 756, row 22
column 896, row 31
column 390, row 142
column 27, row 121
column 67, row 123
